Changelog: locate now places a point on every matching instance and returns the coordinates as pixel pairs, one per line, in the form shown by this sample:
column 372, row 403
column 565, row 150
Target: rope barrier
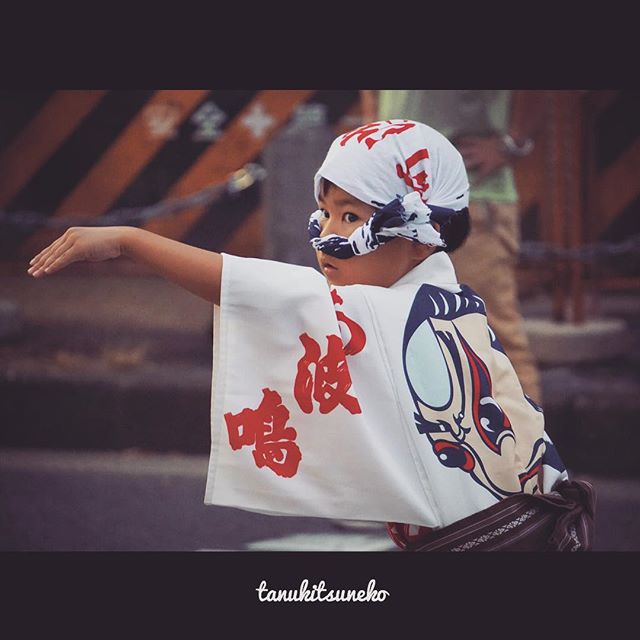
column 594, row 252
column 239, row 181
column 251, row 174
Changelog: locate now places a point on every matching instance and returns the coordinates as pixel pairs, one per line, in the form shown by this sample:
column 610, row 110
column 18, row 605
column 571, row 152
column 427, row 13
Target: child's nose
column 328, row 226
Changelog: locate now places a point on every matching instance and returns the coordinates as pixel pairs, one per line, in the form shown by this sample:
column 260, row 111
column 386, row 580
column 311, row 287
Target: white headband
column 381, row 161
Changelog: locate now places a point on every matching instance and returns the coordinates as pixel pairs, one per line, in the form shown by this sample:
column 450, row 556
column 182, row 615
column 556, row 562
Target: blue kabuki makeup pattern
column 453, row 392
column 404, row 217
column 551, row 457
column 495, row 342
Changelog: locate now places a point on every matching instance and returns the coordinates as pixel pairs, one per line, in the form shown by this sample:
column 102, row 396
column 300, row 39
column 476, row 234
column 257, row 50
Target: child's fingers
column 52, row 246
column 54, row 256
column 53, row 263
column 58, row 262
column 48, row 257
column 39, row 260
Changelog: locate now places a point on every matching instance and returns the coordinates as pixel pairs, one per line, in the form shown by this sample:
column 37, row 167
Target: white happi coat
column 362, row 402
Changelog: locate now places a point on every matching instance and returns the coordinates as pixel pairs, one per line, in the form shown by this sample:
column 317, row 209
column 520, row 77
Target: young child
column 377, row 392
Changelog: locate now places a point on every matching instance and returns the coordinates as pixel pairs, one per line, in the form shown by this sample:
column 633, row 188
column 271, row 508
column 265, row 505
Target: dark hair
column 325, row 185
column 455, row 231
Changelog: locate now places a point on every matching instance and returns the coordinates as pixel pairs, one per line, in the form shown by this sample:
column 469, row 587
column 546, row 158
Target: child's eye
column 351, row 217
column 325, row 214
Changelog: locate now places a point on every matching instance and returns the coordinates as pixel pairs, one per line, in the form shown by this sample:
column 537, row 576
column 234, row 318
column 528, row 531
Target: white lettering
column 320, row 593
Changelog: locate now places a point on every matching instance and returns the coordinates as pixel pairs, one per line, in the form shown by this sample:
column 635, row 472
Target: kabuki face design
column 453, row 393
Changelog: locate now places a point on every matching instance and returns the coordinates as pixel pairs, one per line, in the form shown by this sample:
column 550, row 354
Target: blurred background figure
column 491, row 129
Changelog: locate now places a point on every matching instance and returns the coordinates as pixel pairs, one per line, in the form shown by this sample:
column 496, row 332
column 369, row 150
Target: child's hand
column 92, row 244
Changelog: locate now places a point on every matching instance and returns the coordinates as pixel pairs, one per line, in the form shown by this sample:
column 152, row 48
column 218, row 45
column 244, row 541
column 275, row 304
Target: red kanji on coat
column 358, row 337
column 330, row 385
column 265, row 427
column 367, row 132
column 418, row 181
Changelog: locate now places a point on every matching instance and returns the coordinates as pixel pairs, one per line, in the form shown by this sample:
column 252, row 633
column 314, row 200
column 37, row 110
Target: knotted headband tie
column 404, row 217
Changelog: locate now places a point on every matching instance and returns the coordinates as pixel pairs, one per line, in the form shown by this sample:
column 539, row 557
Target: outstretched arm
column 197, row 270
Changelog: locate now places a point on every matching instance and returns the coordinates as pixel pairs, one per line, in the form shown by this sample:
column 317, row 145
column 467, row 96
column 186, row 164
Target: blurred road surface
column 139, row 501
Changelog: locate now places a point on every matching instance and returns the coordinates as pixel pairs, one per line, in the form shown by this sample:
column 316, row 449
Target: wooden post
column 555, row 229
column 567, row 170
column 575, row 167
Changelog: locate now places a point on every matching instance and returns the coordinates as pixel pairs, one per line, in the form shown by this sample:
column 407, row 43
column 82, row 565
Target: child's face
column 388, row 263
